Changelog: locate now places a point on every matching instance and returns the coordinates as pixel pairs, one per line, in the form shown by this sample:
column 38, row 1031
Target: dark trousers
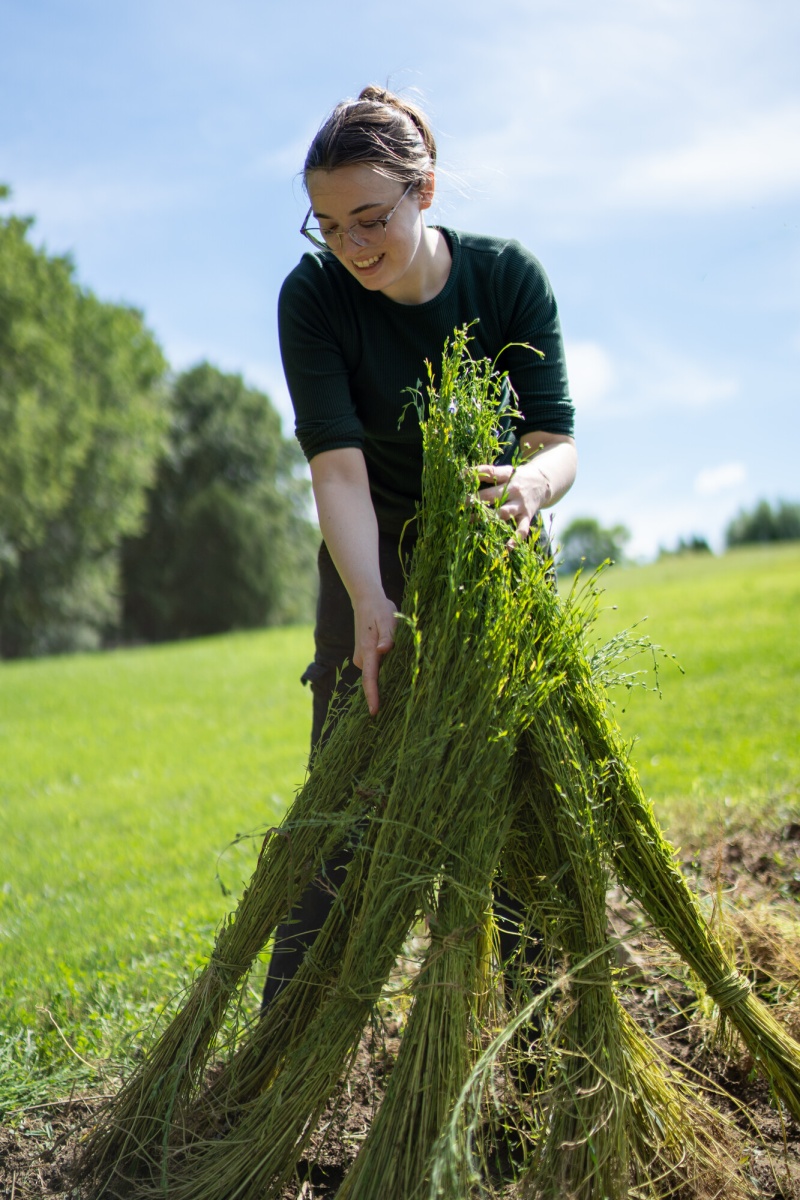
column 333, row 639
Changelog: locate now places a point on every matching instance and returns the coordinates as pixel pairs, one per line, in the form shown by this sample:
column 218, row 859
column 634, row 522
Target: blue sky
column 648, row 151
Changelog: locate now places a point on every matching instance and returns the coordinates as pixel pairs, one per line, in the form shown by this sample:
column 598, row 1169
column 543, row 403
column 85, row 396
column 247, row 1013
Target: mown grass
column 125, row 775
column 720, row 746
column 124, row 778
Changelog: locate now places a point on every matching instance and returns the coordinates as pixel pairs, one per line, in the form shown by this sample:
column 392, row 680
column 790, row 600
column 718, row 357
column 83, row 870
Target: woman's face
column 359, row 193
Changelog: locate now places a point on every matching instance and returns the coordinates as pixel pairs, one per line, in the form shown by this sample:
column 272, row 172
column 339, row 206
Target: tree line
column 135, row 504
column 585, row 543
column 764, row 523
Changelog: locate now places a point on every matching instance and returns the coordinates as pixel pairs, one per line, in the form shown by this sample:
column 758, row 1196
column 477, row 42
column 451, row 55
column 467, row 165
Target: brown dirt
column 759, row 872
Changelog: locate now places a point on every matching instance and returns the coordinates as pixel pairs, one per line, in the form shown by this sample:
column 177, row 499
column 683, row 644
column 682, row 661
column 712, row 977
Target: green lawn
column 722, row 743
column 125, row 776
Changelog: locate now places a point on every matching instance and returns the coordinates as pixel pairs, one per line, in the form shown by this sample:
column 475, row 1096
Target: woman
column 359, row 317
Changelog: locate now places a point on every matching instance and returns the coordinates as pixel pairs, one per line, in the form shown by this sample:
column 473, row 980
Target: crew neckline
column 454, row 246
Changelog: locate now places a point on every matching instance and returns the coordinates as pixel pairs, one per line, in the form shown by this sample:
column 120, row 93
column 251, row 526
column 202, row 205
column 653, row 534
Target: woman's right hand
column 375, row 622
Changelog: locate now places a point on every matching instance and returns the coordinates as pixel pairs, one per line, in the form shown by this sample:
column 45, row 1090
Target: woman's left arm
column 546, row 472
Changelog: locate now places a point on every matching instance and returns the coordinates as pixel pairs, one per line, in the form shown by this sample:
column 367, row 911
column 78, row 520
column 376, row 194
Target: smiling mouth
column 362, row 264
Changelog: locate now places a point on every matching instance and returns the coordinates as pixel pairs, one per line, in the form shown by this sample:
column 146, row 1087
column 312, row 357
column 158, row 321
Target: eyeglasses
column 363, row 233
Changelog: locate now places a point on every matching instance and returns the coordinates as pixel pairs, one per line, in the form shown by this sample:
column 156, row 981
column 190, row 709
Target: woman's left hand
column 517, row 493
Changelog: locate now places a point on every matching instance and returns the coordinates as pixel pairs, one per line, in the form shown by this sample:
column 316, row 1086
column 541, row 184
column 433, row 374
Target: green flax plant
column 442, row 743
column 617, row 1114
column 493, row 752
column 436, row 839
column 609, row 1111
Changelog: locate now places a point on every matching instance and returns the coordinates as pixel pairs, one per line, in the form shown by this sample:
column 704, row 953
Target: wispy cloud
column 737, row 163
column 650, row 378
column 591, row 374
column 676, row 382
column 656, row 509
column 712, row 480
column 669, row 106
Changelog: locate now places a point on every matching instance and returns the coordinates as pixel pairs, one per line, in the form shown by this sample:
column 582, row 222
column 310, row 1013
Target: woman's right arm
column 350, row 530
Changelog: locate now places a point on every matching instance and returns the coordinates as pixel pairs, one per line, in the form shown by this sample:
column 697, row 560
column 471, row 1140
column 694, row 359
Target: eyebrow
column 354, row 211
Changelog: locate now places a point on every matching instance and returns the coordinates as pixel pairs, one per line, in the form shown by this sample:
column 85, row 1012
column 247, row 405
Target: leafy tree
column 232, row 583
column 765, row 524
column 82, row 415
column 585, row 543
column 227, row 543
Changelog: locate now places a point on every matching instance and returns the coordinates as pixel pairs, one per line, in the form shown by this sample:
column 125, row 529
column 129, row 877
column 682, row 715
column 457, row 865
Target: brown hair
column 379, row 130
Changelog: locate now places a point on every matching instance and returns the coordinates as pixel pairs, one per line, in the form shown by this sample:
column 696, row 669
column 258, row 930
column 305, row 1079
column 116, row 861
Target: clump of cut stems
column 493, row 756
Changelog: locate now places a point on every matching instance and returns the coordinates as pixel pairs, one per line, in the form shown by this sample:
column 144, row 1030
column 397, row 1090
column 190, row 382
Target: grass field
column 721, row 744
column 124, row 778
column 126, row 775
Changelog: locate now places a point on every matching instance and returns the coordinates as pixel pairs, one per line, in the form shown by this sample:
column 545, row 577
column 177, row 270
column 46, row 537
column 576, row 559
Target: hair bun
column 378, row 95
column 378, row 129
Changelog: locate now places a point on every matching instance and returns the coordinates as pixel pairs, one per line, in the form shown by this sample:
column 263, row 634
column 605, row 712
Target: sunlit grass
column 124, row 777
column 721, row 744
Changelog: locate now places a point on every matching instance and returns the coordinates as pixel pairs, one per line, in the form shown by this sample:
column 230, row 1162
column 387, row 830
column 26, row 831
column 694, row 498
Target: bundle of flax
column 492, row 752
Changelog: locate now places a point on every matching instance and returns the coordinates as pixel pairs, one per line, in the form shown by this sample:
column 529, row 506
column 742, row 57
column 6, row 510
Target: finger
column 523, row 528
column 369, row 682
column 510, row 515
column 493, row 496
column 485, row 474
column 370, row 666
column 490, row 474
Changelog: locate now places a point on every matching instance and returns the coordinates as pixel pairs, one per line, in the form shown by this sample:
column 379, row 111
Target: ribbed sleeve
column 527, row 315
column 313, row 361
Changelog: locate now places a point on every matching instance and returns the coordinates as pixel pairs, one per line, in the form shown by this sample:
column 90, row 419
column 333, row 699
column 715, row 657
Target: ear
column 426, row 191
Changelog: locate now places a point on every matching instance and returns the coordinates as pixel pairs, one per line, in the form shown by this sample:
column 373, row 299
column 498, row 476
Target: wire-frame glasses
column 363, row 233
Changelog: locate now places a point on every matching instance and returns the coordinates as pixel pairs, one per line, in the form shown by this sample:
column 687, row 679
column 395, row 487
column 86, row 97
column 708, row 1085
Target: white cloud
column 674, row 382
column 651, row 377
column 736, row 163
column 712, row 480
column 591, row 374
column 629, row 107
column 710, row 165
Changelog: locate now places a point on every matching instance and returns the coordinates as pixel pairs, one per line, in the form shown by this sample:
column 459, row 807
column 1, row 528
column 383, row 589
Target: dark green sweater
column 350, row 354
